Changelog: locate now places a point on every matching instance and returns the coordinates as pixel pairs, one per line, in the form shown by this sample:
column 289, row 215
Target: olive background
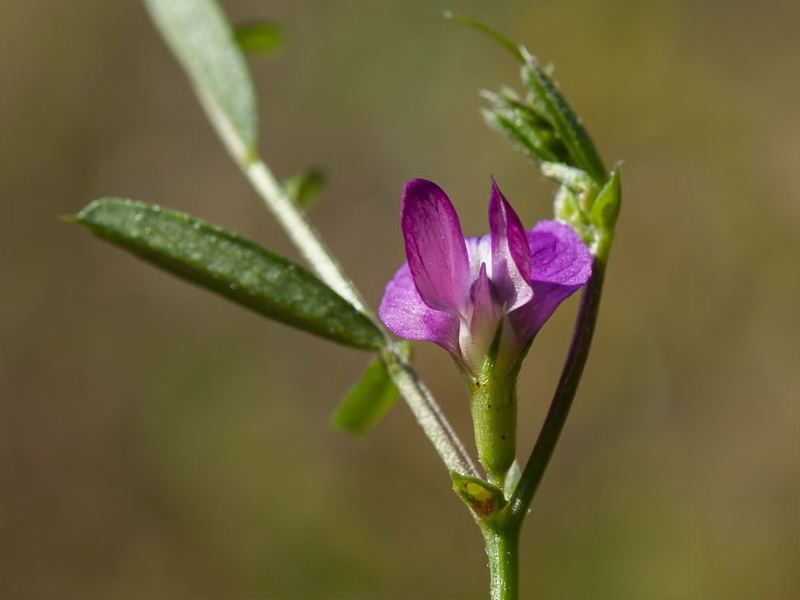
column 159, row 442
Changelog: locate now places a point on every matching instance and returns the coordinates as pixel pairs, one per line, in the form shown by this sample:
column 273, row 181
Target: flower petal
column 404, row 312
column 511, row 256
column 476, row 338
column 561, row 264
column 437, row 255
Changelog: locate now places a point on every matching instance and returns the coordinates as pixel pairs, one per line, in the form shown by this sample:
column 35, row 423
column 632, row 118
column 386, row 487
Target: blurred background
column 159, row 442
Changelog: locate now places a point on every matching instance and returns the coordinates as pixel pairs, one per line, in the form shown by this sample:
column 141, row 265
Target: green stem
column 564, row 394
column 502, row 548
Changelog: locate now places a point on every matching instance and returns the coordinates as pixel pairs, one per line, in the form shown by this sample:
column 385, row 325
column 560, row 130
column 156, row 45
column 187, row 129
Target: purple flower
column 462, row 293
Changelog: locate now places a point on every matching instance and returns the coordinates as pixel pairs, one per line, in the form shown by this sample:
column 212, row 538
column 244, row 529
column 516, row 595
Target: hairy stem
column 502, row 548
column 428, row 414
column 302, row 233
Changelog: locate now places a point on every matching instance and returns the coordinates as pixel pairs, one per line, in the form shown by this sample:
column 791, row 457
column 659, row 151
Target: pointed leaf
column 524, row 137
column 232, row 266
column 604, row 215
column 606, row 208
column 575, row 179
column 203, row 41
column 495, row 35
column 370, row 398
column 367, row 401
column 566, row 123
column 525, row 127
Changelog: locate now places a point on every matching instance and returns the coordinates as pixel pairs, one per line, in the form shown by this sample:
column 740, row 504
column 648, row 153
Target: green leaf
column 367, row 401
column 523, row 136
column 305, row 188
column 575, row 179
column 260, row 38
column 566, row 123
column 606, row 207
column 202, row 40
column 232, row 266
column 605, row 212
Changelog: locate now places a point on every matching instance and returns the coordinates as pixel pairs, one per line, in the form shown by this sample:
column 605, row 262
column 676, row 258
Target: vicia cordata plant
column 482, row 299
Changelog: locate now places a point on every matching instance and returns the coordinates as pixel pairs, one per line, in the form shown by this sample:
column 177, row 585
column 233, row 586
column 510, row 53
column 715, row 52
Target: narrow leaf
column 202, row 40
column 575, row 179
column 604, row 215
column 606, row 208
column 260, row 38
column 485, row 29
column 232, row 266
column 566, row 123
column 367, row 401
column 524, row 137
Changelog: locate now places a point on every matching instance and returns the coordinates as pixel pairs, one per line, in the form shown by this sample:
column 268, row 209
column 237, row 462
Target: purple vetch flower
column 460, row 293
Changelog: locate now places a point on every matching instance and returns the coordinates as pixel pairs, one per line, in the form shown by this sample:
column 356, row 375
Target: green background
column 158, row 442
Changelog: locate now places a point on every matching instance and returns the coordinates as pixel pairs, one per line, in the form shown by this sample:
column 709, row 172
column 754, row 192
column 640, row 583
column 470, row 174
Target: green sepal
column 370, row 398
column 566, row 123
column 260, row 38
column 493, row 405
column 232, row 266
column 484, row 499
column 202, row 40
column 306, row 187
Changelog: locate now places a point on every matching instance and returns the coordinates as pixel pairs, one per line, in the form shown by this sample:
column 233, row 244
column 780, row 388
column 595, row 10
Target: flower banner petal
column 437, row 254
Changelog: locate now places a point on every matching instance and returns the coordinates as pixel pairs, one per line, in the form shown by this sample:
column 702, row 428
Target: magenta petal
column 403, row 311
column 511, row 255
column 561, row 264
column 437, row 255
